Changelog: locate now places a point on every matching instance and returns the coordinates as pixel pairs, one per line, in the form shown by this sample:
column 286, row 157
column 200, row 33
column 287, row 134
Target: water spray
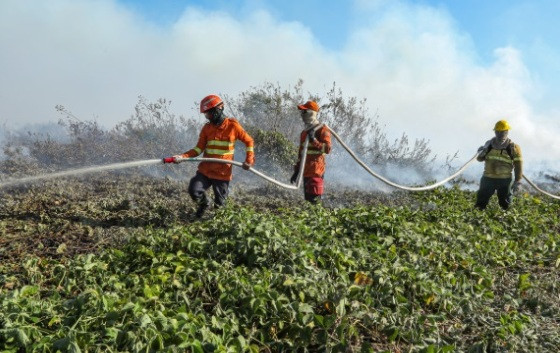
column 86, row 170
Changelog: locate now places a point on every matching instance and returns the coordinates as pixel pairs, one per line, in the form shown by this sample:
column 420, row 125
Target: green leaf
column 196, row 347
column 54, row 320
column 22, row 338
column 145, row 320
column 128, row 307
column 111, row 333
column 524, row 282
column 305, row 308
column 27, row 291
column 74, row 348
column 393, row 333
column 288, row 282
column 242, row 342
column 61, row 344
column 61, row 249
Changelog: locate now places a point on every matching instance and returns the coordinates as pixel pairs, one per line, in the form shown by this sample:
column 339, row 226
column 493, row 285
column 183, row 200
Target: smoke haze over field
column 414, row 65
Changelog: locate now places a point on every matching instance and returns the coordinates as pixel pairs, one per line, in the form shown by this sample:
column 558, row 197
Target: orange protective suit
column 219, row 142
column 315, row 158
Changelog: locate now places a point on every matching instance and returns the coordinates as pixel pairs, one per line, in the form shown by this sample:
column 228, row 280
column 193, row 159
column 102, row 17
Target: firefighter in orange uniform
column 319, row 138
column 217, row 140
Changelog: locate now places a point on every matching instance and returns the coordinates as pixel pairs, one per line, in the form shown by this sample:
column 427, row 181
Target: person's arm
column 199, row 148
column 517, row 163
column 323, row 141
column 244, row 137
column 483, row 151
column 298, row 163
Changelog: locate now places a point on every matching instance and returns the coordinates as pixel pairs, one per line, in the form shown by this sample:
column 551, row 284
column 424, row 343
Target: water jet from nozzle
column 80, row 171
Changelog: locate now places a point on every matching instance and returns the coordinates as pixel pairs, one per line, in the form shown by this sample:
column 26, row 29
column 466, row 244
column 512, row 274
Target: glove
column 246, row 166
column 293, row 179
column 485, row 147
column 516, row 186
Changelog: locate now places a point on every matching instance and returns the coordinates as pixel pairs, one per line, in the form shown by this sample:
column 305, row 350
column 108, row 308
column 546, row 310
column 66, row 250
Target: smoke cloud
column 413, row 65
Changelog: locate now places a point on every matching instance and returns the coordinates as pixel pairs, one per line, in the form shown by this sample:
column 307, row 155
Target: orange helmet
column 210, row 102
column 309, row 105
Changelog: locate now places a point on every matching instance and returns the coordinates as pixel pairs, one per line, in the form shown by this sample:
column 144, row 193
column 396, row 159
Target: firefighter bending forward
column 319, row 144
column 501, row 156
column 217, row 140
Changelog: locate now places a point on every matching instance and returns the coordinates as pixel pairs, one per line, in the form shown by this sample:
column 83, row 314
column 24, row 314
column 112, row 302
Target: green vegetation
column 120, row 265
column 116, row 262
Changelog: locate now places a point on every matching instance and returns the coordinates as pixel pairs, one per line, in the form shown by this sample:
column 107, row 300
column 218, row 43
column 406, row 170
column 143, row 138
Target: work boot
column 202, row 207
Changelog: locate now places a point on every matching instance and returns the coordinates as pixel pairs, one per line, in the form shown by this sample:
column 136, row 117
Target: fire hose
column 427, row 187
column 360, row 162
column 251, row 169
column 540, row 190
column 398, row 186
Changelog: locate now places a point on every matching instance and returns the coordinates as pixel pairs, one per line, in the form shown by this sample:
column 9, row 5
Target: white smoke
column 415, row 67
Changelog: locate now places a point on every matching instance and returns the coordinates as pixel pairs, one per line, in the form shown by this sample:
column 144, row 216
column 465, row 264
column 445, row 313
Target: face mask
column 215, row 115
column 501, row 136
column 309, row 118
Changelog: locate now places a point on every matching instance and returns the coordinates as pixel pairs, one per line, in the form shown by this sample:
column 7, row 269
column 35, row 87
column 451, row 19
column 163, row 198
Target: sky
column 441, row 70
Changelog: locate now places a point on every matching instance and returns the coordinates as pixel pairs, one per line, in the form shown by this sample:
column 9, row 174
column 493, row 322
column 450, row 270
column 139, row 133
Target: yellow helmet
column 501, row 125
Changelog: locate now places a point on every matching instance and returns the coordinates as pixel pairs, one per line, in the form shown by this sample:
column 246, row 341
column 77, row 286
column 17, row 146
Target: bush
column 268, row 112
column 275, row 151
column 271, row 106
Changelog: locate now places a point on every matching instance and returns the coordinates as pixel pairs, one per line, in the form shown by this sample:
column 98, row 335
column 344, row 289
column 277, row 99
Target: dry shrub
column 268, row 112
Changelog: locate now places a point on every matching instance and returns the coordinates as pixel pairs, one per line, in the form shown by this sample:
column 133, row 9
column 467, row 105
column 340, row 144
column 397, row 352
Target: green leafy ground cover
column 121, row 266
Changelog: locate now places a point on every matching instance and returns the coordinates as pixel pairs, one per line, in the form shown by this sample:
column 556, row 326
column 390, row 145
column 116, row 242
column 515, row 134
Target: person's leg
column 312, row 198
column 221, row 188
column 505, row 195
column 197, row 190
column 485, row 192
column 313, row 189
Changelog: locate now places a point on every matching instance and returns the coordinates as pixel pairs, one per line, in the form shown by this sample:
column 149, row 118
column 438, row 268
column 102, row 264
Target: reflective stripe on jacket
column 219, row 142
column 315, row 158
column 499, row 165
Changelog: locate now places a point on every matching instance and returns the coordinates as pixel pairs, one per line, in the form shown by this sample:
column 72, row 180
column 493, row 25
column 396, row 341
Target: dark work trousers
column 487, row 188
column 200, row 183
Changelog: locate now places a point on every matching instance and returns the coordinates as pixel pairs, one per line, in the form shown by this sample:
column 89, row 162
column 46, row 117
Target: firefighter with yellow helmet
column 501, row 157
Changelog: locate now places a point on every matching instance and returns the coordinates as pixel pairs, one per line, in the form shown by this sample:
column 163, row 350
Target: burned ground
column 64, row 217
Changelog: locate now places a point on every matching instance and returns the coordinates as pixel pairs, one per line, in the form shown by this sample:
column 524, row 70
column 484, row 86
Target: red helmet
column 210, row 102
column 309, row 105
